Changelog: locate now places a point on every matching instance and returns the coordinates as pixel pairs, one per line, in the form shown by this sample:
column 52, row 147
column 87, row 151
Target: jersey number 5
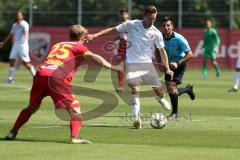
column 60, row 51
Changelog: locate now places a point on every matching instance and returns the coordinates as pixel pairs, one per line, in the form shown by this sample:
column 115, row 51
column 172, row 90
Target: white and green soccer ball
column 158, row 120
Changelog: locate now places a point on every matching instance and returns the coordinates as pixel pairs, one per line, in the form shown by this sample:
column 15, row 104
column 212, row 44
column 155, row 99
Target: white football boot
column 165, row 104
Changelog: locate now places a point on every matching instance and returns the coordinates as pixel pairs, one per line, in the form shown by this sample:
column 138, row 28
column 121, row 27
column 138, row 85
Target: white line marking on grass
column 199, row 120
column 17, row 90
column 146, row 122
column 24, row 88
column 98, row 124
column 124, row 145
column 45, row 127
column 107, row 125
column 204, row 120
column 236, row 118
column 125, row 125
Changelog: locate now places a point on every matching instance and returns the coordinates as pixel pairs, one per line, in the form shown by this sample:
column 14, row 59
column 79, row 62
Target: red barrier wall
column 230, row 44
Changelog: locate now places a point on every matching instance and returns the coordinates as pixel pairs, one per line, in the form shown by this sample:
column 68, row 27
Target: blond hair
column 76, row 32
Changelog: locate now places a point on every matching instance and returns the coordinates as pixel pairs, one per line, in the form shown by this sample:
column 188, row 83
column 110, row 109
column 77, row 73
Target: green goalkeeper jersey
column 211, row 41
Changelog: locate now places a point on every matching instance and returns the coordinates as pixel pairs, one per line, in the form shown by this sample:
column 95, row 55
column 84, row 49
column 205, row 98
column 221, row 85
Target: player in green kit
column 211, row 43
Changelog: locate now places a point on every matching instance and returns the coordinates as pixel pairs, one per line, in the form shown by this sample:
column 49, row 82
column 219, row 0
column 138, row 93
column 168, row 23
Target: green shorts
column 209, row 54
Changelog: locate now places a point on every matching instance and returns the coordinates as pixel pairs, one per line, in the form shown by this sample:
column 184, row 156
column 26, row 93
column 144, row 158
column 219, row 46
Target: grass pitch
column 208, row 128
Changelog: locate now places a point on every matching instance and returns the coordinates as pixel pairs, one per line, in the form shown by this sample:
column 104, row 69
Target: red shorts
column 122, row 50
column 61, row 93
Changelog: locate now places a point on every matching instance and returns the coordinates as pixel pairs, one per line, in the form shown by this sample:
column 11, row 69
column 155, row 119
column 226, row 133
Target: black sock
column 174, row 101
column 182, row 91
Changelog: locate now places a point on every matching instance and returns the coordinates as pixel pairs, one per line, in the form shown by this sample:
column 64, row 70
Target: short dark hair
column 149, row 9
column 19, row 12
column 165, row 19
column 123, row 10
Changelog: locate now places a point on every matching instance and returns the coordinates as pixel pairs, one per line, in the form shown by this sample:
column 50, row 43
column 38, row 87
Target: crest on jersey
column 151, row 36
column 38, row 46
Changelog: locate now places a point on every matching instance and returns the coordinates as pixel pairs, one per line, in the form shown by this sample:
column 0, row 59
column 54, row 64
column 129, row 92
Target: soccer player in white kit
column 20, row 31
column 142, row 37
column 237, row 76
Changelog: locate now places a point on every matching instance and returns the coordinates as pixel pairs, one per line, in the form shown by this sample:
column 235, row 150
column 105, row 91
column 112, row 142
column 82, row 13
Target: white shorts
column 20, row 50
column 238, row 61
column 137, row 72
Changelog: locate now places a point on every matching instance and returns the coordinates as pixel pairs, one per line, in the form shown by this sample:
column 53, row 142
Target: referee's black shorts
column 178, row 74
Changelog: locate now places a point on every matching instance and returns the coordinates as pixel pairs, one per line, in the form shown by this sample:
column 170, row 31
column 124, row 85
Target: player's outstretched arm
column 100, row 33
column 164, row 59
column 6, row 39
column 103, row 62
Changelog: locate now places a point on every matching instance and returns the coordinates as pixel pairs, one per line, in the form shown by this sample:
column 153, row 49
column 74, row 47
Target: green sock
column 217, row 70
column 204, row 70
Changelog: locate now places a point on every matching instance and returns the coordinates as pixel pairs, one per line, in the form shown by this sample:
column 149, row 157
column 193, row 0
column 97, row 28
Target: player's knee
column 75, row 112
column 12, row 63
column 33, row 109
column 27, row 65
column 172, row 88
column 214, row 62
column 24, row 63
column 173, row 91
column 134, row 89
column 237, row 69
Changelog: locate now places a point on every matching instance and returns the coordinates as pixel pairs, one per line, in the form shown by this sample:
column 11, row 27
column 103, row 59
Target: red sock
column 121, row 79
column 75, row 126
column 23, row 117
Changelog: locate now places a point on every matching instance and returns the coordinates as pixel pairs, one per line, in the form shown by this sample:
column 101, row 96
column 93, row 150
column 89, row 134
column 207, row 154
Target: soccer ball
column 158, row 120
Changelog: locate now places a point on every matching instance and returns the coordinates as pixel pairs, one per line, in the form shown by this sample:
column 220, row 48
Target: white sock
column 135, row 107
column 236, row 81
column 11, row 72
column 32, row 70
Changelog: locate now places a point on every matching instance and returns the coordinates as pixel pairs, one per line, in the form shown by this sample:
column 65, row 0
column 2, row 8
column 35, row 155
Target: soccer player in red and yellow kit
column 53, row 79
column 121, row 51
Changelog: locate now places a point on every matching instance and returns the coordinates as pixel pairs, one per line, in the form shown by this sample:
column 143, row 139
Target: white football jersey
column 141, row 41
column 18, row 29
